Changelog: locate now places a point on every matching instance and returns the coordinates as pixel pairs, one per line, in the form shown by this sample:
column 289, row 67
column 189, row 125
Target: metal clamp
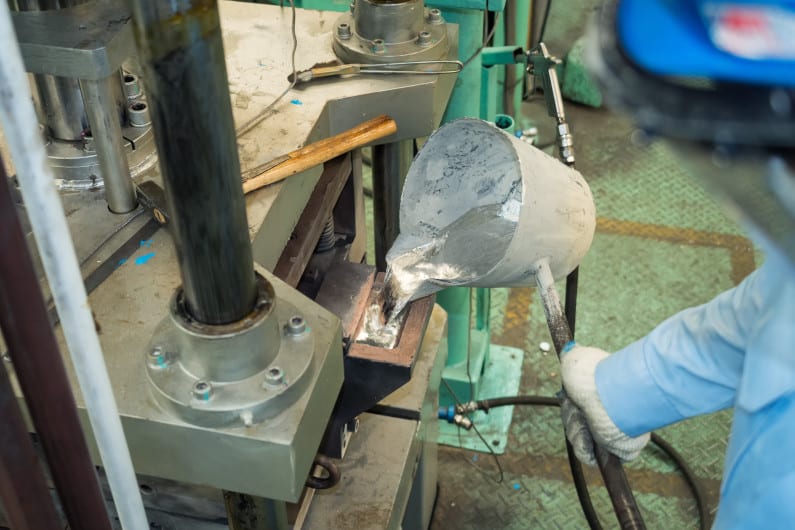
column 87, row 41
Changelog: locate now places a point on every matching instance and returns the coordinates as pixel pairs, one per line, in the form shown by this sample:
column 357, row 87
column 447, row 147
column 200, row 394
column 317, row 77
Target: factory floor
column 661, row 245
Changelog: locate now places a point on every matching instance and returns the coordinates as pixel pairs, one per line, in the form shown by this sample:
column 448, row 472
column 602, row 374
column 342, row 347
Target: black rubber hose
column 323, row 483
column 690, row 477
column 581, row 486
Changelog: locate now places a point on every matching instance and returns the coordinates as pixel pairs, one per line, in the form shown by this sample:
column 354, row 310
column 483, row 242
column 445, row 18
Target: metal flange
column 377, row 32
column 234, row 374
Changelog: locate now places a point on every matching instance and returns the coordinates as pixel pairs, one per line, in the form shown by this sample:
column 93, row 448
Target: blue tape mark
column 474, row 458
column 121, row 262
column 569, row 346
column 517, row 486
column 296, row 102
column 145, row 243
column 143, row 260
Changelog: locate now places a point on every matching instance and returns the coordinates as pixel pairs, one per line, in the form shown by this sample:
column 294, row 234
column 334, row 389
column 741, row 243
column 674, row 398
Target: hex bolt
column 6, row 357
column 157, row 356
column 296, row 325
column 202, row 390
column 132, row 88
column 424, row 38
column 344, row 31
column 138, row 114
column 435, row 16
column 274, row 376
column 379, row 46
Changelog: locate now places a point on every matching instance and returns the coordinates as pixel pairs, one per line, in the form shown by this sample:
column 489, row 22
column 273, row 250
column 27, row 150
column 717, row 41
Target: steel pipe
column 34, row 351
column 187, row 88
column 63, row 273
column 102, row 107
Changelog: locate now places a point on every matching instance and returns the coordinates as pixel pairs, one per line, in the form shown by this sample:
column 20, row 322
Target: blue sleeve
column 690, row 364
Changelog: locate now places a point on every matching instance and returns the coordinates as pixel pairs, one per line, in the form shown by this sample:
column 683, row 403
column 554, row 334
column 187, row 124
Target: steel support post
column 188, row 93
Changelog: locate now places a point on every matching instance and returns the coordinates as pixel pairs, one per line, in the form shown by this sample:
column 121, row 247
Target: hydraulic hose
column 690, row 477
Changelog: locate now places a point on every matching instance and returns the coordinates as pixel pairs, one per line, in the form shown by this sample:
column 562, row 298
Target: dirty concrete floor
column 661, row 245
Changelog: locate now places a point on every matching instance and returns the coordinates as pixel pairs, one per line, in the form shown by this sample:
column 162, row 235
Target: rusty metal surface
column 345, row 292
column 23, row 489
column 298, row 251
column 410, row 335
column 34, row 352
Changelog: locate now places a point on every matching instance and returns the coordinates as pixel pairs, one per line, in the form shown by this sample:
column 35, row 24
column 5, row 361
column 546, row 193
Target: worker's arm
column 690, row 364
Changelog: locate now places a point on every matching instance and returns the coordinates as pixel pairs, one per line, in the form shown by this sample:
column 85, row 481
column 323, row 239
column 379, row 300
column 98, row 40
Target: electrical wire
column 482, row 439
column 256, row 120
column 689, row 476
column 486, row 41
column 544, row 21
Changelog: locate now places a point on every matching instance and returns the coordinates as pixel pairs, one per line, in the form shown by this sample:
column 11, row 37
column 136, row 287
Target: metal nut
column 274, row 376
column 344, row 31
column 296, row 325
column 138, row 114
column 202, row 390
column 378, row 46
column 424, row 38
column 132, row 88
column 435, row 16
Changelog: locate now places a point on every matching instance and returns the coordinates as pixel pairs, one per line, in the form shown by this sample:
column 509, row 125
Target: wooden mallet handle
column 319, row 152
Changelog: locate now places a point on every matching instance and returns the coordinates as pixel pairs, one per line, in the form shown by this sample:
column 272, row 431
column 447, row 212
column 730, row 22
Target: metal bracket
column 87, row 41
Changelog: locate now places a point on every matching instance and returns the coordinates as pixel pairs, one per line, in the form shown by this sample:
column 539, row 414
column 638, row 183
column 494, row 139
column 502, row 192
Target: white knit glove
column 588, row 421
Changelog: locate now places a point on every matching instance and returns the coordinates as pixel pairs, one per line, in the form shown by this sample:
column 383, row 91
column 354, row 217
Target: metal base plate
column 500, row 378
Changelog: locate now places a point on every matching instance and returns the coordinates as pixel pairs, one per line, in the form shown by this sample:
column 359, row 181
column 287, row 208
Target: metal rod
column 391, row 164
column 23, row 489
column 572, row 286
column 59, row 99
column 615, row 479
column 103, row 118
column 188, row 93
column 34, row 352
column 58, row 257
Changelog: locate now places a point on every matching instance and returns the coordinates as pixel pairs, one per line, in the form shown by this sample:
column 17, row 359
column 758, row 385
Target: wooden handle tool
column 318, row 153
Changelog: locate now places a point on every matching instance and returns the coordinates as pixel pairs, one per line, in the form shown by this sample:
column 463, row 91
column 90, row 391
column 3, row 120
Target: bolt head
column 424, row 38
column 435, row 16
column 296, row 325
column 202, row 390
column 378, row 46
column 274, row 376
column 158, row 357
column 344, row 31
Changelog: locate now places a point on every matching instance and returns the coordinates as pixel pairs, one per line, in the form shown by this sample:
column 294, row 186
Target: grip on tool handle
column 610, row 466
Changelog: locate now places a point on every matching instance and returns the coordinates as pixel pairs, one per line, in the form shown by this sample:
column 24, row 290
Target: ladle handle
column 610, row 466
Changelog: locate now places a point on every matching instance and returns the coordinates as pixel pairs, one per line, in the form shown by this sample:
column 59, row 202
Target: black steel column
column 391, row 163
column 180, row 48
column 42, row 377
